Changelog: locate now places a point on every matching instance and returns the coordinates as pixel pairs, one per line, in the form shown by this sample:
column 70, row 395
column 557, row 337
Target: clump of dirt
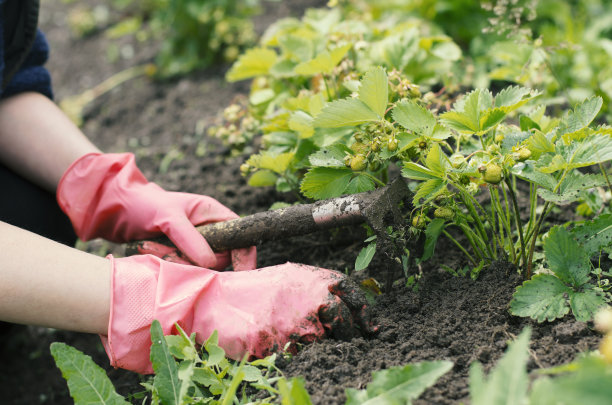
column 451, row 318
column 446, row 317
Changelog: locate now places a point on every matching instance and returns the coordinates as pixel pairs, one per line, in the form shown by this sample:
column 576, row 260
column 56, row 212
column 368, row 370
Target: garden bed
column 446, row 317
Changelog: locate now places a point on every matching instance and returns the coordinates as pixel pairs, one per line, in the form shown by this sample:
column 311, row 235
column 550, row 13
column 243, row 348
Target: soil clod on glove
column 107, row 196
column 256, row 312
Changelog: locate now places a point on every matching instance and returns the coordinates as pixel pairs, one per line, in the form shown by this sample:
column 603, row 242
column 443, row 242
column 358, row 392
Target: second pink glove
column 107, row 196
column 256, row 312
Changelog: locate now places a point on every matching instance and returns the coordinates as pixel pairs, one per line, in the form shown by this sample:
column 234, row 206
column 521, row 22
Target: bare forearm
column 37, row 140
column 48, row 284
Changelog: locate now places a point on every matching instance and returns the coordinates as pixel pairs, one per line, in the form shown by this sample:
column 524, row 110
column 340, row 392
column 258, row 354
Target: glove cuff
column 133, row 288
column 146, row 288
column 86, row 192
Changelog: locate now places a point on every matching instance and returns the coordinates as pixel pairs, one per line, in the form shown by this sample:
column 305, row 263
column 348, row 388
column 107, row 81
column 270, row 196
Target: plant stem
column 519, row 224
column 329, row 98
column 465, row 252
column 533, row 204
column 479, row 225
column 376, row 180
column 508, row 221
column 534, row 238
column 471, row 238
column 504, row 225
column 605, row 174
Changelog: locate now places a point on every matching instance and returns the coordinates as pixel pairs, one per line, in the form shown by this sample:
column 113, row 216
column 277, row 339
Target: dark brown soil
column 447, row 317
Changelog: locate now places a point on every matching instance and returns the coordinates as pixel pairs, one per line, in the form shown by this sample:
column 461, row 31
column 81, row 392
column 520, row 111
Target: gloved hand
column 107, row 196
column 256, row 312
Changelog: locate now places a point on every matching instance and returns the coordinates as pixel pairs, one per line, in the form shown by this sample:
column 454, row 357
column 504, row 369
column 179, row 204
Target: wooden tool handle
column 282, row 223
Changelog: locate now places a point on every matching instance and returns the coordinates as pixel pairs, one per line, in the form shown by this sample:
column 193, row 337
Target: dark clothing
column 27, row 206
column 23, row 51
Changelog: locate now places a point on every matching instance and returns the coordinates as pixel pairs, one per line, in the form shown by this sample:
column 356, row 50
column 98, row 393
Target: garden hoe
column 378, row 208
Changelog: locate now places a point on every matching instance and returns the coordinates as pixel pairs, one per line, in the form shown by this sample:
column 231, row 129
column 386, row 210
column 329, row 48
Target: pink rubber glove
column 256, row 312
column 107, row 196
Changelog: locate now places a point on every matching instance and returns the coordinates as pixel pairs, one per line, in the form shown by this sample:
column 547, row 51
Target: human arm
column 37, row 140
column 49, row 284
column 257, row 312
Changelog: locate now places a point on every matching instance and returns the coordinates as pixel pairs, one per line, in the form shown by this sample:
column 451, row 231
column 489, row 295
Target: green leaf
column 325, row 62
column 262, row 96
column 581, row 116
column 446, row 50
column 572, row 188
column 283, row 68
column 459, row 122
column 507, row 383
column 345, row 112
column 332, row 156
column 538, row 143
column 527, row 123
column 374, row 91
column 512, row 96
column 399, row 385
column 551, row 164
column 254, row 62
column 596, row 148
column 166, row 383
column 566, row 258
column 229, row 396
column 301, row 123
column 262, row 178
column 293, row 392
column 293, row 45
column 536, row 177
column 490, row 119
column 275, row 162
column 325, row 182
column 205, row 376
column 414, row 117
column 365, row 256
column 594, row 235
column 405, row 140
column 181, row 346
column 216, row 354
column 360, row 183
column 589, row 383
column 415, row 171
column 428, row 190
column 542, row 298
column 87, row 382
column 512, row 139
column 436, row 160
column 585, row 304
column 432, row 233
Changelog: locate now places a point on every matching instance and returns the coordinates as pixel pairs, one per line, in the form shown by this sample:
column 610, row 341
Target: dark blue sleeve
column 32, row 75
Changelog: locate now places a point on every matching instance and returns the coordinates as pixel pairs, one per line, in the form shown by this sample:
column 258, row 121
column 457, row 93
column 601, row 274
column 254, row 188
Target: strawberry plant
column 570, row 286
column 192, row 34
column 586, row 380
column 196, row 34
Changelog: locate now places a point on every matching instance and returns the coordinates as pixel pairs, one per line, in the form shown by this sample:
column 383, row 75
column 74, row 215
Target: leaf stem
column 479, row 225
column 375, row 179
column 470, row 235
column 605, row 174
column 465, row 252
column 519, row 224
column 504, row 224
column 534, row 238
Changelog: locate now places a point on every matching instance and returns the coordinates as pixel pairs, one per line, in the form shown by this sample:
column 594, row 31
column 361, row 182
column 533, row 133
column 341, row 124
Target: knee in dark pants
column 27, row 206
